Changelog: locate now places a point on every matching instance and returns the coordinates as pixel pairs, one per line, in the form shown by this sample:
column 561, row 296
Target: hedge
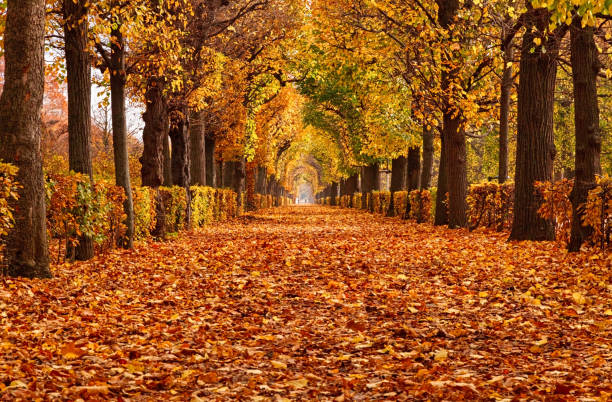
column 8, row 193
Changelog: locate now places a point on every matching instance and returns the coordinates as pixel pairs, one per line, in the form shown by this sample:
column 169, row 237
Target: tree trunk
column 153, row 136
column 428, row 156
column 166, row 158
column 414, row 168
column 260, row 185
column 399, row 173
column 370, row 181
column 535, row 148
column 453, row 179
column 504, row 113
column 251, row 170
column 228, row 174
column 456, row 170
column 120, row 148
column 78, row 78
column 334, row 194
column 27, row 253
column 585, row 67
column 352, row 184
column 198, row 149
column 441, row 217
column 211, row 163
column 238, row 180
column 179, row 135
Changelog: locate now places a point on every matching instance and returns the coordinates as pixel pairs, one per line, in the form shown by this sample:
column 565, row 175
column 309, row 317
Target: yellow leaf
column 578, row 298
column 441, row 354
column 537, row 41
column 297, row 384
column 278, row 365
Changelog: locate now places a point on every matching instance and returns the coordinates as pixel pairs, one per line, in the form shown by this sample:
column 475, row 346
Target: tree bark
column 153, row 136
column 504, row 113
column 370, row 181
column 120, row 149
column 26, row 253
column 352, row 187
column 181, row 175
column 456, row 170
column 334, row 194
column 228, row 169
column 441, row 217
column 454, row 137
column 238, row 180
column 250, row 182
column 198, row 149
column 78, row 78
column 535, row 148
column 399, row 174
column 585, row 67
column 260, row 185
column 166, row 157
column 428, row 156
column 211, row 163
column 414, row 168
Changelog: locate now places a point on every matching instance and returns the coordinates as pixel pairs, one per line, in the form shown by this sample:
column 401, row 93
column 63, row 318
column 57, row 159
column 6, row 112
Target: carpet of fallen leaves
column 314, row 303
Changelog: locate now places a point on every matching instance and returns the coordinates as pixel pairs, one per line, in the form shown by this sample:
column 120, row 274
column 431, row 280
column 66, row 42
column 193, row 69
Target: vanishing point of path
column 313, row 303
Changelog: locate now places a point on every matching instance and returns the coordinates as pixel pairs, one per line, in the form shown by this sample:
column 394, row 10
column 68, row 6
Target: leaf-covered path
column 314, row 303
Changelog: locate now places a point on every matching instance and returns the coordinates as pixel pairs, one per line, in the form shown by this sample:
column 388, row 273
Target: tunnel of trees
column 325, row 99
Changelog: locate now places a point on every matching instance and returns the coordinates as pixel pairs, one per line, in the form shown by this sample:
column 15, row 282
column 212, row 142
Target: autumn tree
column 20, row 107
column 78, row 77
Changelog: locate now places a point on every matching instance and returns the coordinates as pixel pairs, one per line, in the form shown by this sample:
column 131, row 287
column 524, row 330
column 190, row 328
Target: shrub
column 598, row 211
column 76, row 209
column 420, row 205
column 380, row 201
column 490, row 205
column 556, row 206
column 400, row 202
column 8, row 193
column 144, row 212
column 202, row 205
column 357, row 198
column 175, row 205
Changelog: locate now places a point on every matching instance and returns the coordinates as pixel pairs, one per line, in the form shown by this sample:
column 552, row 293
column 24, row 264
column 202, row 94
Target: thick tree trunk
column 428, row 156
column 585, row 67
column 166, row 158
column 211, row 163
column 334, row 194
column 228, row 169
column 441, row 217
column 370, row 181
column 454, row 150
column 399, row 174
column 413, row 175
column 120, row 148
column 535, row 148
column 413, row 168
column 504, row 113
column 456, row 170
column 153, row 136
column 251, row 173
column 181, row 175
column 260, row 185
column 352, row 187
column 26, row 252
column 78, row 78
column 198, row 149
